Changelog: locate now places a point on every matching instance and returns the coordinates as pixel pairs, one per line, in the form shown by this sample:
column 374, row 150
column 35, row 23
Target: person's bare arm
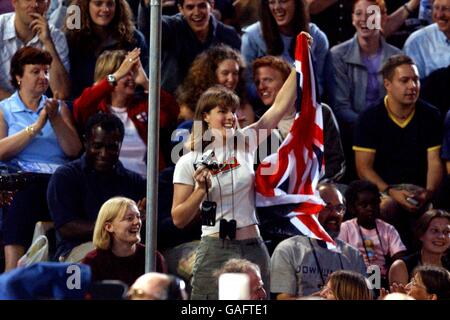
column 59, row 78
column 395, row 20
column 283, row 103
column 13, row 144
column 286, row 296
column 435, row 170
column 364, row 167
column 187, row 198
column 398, row 273
column 62, row 124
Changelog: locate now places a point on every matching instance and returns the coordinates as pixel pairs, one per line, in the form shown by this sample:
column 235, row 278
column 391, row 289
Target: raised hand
column 41, row 121
column 398, row 287
column 130, row 61
column 40, row 26
column 51, row 108
column 140, row 75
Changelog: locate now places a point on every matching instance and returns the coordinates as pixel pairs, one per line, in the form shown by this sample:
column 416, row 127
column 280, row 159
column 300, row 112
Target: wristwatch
column 386, row 191
column 407, row 9
column 111, row 79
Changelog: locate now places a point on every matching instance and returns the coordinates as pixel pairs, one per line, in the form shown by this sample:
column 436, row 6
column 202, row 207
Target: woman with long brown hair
column 281, row 21
column 105, row 25
column 220, row 64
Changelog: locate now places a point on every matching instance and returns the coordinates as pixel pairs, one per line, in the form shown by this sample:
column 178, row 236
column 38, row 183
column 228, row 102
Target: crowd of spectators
column 74, row 85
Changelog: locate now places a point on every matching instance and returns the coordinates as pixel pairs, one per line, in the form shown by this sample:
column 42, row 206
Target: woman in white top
column 233, row 231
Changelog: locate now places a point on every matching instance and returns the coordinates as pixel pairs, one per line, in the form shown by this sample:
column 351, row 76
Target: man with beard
column 378, row 241
column 300, row 265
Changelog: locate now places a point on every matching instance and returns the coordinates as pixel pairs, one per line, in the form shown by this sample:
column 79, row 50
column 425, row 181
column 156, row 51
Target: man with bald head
column 157, row 286
column 300, row 265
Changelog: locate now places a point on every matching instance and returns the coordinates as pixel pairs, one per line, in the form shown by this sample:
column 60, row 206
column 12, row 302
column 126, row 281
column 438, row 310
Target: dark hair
column 271, row 33
column 355, row 188
column 425, row 219
column 181, row 2
column 107, row 122
column 393, row 62
column 217, row 95
column 85, row 40
column 435, row 279
column 202, row 74
column 24, row 56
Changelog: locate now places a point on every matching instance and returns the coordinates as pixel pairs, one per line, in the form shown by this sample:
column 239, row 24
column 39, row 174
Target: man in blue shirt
column 78, row 189
column 430, row 47
column 28, row 26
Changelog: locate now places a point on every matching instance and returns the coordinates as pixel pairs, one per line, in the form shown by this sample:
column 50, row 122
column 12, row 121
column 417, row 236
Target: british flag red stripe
column 299, row 160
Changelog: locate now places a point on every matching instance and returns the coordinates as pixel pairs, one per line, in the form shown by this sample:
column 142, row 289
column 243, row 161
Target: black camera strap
column 364, row 244
column 228, row 228
column 207, row 192
column 232, row 188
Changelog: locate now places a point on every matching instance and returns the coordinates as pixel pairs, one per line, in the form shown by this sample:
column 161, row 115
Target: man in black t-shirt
column 397, row 143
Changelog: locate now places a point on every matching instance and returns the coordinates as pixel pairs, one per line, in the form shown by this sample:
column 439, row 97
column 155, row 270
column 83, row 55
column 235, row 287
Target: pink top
column 391, row 242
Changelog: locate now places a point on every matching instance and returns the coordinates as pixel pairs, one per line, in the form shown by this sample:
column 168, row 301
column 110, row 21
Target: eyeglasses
column 414, row 283
column 339, row 209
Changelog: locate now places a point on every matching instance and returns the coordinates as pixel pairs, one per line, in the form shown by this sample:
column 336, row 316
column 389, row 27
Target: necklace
column 400, row 117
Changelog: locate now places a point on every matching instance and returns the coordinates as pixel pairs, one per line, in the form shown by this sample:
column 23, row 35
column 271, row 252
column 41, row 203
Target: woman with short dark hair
column 36, row 135
column 105, row 25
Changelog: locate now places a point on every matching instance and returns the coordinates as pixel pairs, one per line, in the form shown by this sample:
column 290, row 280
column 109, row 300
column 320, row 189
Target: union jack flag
column 298, row 163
